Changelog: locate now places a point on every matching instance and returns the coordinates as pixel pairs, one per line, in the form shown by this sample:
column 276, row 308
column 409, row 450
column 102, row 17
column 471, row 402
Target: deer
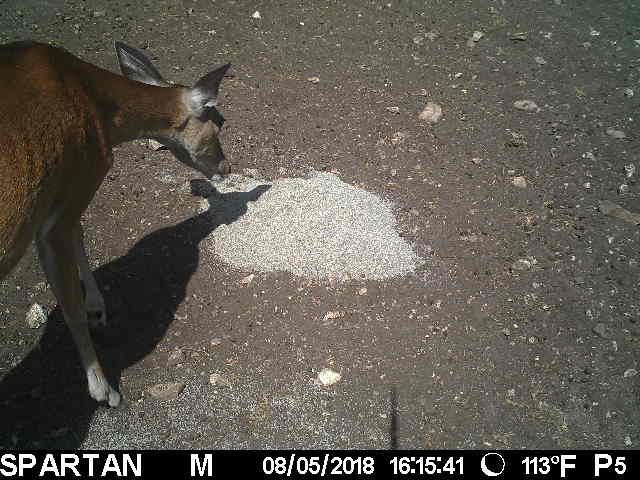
column 60, row 117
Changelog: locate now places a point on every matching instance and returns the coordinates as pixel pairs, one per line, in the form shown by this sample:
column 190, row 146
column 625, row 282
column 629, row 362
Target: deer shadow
column 44, row 400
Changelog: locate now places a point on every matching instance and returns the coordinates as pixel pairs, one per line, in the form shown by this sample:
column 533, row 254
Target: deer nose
column 224, row 168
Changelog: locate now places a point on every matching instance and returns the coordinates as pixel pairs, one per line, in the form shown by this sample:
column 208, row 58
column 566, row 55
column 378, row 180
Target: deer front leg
column 93, row 300
column 56, row 247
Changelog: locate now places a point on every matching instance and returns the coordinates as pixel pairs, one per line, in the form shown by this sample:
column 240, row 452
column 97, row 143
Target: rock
column 219, row 380
column 328, row 377
column 475, row 38
column 166, row 391
column 362, row 291
column 248, row 279
column 629, row 170
column 628, row 92
column 176, row 357
column 431, row 113
column 476, row 160
column 36, row 316
column 399, row 137
column 602, row 330
column 519, row 182
column 623, row 189
column 216, row 341
column 631, row 372
column 540, row 61
column 523, row 264
column 395, row 110
column 332, row 316
column 431, row 35
column 256, row 15
column 613, row 210
column 313, row 79
column 526, row 105
column 617, row 134
column 518, row 37
column 155, row 146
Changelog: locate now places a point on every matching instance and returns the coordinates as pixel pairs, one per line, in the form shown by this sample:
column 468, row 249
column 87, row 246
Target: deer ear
column 205, row 92
column 136, row 66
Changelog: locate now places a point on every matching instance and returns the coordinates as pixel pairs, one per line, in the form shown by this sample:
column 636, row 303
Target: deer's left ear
column 205, row 92
column 136, row 66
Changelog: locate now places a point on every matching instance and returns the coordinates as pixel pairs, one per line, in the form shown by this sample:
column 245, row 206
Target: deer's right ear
column 205, row 92
column 136, row 66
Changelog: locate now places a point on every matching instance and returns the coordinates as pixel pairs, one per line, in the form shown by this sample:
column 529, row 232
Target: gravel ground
column 517, row 329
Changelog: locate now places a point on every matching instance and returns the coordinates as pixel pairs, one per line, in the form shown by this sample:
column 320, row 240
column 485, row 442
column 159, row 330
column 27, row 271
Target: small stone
column 506, row 332
column 477, row 35
column 155, row 146
column 256, row 15
column 518, row 37
column 36, row 316
column 332, row 315
column 176, row 357
column 602, row 330
column 313, row 79
column 628, row 92
column 631, row 372
column 362, row 291
column 216, row 341
column 251, row 172
column 629, row 170
column 166, row 391
column 526, row 105
column 522, row 264
column 395, row 110
column 328, row 377
column 431, row 113
column 99, row 13
column 248, row 279
column 399, row 137
column 476, row 160
column 623, row 189
column 540, row 61
column 219, row 380
column 627, row 440
column 431, row 35
column 617, row 134
column 520, row 182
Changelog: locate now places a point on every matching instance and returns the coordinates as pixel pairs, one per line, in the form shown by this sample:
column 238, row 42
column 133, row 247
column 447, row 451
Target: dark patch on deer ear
column 136, row 66
column 205, row 92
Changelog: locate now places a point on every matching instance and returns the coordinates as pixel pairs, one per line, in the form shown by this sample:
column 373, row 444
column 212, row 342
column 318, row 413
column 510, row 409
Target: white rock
column 629, row 92
column 256, row 15
column 313, row 79
column 328, row 377
column 166, row 391
column 153, row 145
column 332, row 315
column 617, row 134
column 526, row 105
column 219, row 380
column 520, row 182
column 36, row 316
column 432, row 113
column 631, row 372
column 395, row 110
column 630, row 170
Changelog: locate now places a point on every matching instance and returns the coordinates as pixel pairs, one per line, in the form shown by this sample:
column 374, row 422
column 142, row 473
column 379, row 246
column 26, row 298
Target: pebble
column 476, row 160
column 256, row 15
column 313, row 79
column 475, row 38
column 631, row 372
column 540, row 61
column 520, row 182
column 219, row 380
column 617, row 134
column 328, row 377
column 431, row 113
column 332, row 315
column 622, row 189
column 628, row 92
column 526, row 105
column 362, row 291
column 155, row 146
column 176, row 357
column 216, row 341
column 602, row 330
column 395, row 110
column 630, row 170
column 166, row 391
column 36, row 316
column 523, row 264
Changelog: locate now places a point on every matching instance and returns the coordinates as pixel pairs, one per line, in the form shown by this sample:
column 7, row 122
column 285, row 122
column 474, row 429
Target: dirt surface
column 521, row 328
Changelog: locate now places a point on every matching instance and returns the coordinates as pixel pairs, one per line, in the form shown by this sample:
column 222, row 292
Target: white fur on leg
column 99, row 388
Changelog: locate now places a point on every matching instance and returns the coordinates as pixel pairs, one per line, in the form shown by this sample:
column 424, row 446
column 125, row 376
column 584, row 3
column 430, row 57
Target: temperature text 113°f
column 544, row 465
